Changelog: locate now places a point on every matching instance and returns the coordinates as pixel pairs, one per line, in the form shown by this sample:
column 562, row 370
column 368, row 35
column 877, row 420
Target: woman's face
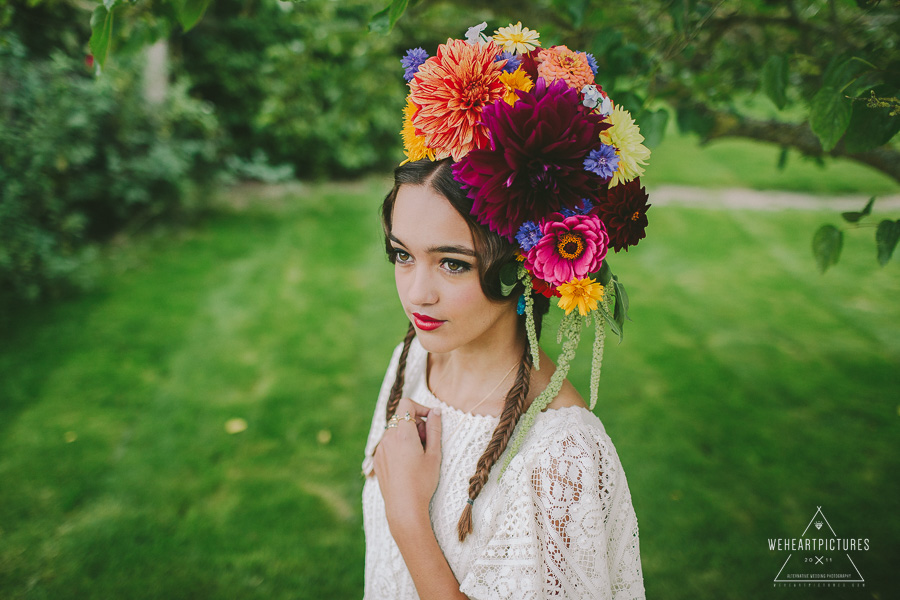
column 437, row 273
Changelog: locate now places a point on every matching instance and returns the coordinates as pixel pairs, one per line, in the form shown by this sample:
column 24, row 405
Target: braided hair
column 493, row 253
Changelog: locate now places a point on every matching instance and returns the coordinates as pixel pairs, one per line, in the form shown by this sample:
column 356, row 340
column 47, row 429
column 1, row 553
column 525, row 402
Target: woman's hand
column 407, row 465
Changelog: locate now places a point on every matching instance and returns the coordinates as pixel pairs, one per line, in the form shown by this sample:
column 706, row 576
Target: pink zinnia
column 572, row 247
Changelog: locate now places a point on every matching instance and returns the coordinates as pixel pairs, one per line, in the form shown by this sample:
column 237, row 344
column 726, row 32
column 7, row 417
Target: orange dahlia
column 559, row 62
column 451, row 89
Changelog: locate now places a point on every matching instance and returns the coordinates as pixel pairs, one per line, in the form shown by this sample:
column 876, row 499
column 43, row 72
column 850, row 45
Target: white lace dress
column 558, row 524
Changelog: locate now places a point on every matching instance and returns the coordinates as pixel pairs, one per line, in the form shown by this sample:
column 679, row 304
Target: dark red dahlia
column 623, row 209
column 535, row 164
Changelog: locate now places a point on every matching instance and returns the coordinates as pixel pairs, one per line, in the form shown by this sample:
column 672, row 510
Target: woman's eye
column 455, row 266
column 401, row 256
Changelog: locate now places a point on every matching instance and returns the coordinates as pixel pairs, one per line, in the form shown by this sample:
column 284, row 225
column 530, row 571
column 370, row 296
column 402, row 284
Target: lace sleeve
column 569, row 531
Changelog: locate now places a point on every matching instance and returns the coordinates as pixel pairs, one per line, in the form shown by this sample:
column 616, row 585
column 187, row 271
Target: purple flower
column 529, row 235
column 512, row 61
column 592, row 62
column 602, row 162
column 412, row 61
column 535, row 163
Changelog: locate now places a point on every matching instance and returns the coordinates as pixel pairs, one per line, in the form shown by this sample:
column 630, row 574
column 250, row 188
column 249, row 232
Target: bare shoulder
column 568, row 395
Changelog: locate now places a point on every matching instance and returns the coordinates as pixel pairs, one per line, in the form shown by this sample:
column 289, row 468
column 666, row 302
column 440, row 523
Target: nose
column 422, row 290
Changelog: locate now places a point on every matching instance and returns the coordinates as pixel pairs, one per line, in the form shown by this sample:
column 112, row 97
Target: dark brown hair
column 493, row 253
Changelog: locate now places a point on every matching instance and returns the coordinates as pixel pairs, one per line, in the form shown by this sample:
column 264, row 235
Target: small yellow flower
column 413, row 145
column 518, row 80
column 582, row 294
column 627, row 139
column 516, row 38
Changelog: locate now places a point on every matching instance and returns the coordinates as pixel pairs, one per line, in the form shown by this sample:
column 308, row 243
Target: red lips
column 426, row 323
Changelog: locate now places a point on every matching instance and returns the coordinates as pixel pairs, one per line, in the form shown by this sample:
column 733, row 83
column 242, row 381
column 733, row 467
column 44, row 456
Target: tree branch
column 799, row 137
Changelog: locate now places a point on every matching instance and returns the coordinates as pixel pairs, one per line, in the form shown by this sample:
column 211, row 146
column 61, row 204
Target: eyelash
column 463, row 267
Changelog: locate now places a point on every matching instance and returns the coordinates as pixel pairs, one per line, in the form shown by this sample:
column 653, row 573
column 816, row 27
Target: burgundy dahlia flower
column 623, row 209
column 572, row 247
column 535, row 163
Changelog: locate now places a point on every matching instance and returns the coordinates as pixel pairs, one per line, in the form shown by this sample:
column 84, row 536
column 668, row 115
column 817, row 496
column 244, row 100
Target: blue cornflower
column 529, row 235
column 602, row 162
column 592, row 62
column 520, row 307
column 412, row 61
column 586, row 206
column 512, row 61
column 567, row 212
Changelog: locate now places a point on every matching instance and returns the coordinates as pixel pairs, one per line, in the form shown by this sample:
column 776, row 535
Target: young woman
column 487, row 476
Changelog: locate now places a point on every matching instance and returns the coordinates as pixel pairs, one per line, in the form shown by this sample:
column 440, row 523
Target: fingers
column 433, row 432
column 414, row 408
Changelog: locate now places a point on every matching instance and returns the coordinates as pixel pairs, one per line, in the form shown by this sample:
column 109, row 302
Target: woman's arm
column 408, row 474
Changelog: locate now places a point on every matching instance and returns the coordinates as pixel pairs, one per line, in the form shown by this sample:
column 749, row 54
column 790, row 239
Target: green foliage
column 83, row 158
column 828, row 240
column 827, row 243
column 307, row 85
column 886, row 237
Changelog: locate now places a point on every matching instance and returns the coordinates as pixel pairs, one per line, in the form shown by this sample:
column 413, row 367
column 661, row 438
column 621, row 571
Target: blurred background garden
column 196, row 311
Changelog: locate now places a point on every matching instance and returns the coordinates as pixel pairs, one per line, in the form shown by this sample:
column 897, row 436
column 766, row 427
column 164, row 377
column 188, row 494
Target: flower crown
column 549, row 162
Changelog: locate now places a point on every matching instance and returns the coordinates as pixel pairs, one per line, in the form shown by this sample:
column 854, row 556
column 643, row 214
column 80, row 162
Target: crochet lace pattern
column 559, row 523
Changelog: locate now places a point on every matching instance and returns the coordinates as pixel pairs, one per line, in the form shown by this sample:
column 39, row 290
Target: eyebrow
column 465, row 251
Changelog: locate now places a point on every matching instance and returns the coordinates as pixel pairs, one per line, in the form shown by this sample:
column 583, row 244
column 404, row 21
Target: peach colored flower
column 517, row 80
column 559, row 62
column 450, row 90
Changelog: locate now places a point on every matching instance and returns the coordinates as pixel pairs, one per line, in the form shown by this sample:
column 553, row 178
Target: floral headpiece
column 549, row 162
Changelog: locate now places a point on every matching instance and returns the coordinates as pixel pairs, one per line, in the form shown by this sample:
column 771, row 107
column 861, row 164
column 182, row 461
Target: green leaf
column 827, row 243
column 384, row 20
column 611, row 320
column 380, row 21
column 871, row 127
column 509, row 277
column 398, row 7
column 620, row 309
column 775, row 79
column 829, row 116
column 853, row 217
column 605, row 274
column 101, row 33
column 190, row 12
column 621, row 298
column 886, row 237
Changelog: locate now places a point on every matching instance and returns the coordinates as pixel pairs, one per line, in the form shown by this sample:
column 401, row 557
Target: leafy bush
column 303, row 82
column 84, row 157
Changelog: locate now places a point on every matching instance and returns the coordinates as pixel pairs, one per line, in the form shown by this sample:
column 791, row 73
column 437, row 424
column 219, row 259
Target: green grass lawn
column 749, row 390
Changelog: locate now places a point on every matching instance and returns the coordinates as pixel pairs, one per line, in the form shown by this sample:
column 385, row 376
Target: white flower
column 591, row 96
column 474, row 35
column 605, row 109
